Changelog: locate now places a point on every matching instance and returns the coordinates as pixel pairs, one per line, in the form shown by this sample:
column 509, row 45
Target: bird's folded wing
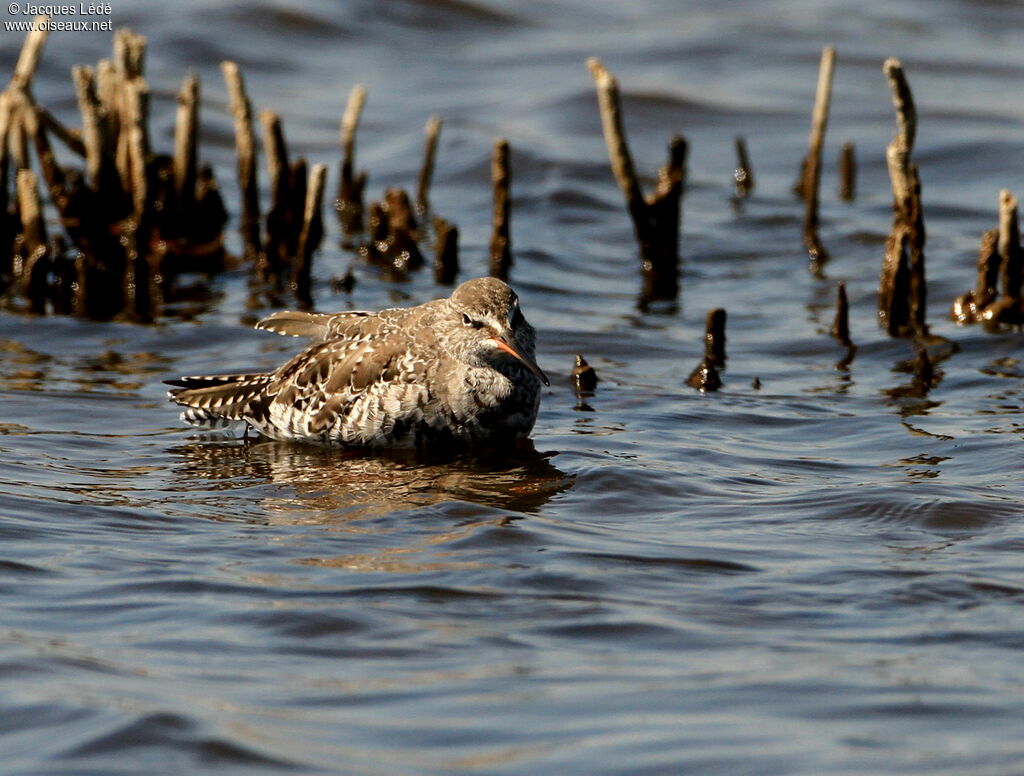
column 326, row 379
column 319, row 326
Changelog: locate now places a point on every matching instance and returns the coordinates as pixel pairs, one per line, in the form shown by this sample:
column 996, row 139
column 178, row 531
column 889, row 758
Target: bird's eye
column 470, row 322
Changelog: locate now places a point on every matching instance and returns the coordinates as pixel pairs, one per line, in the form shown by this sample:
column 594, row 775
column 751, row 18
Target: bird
column 449, row 373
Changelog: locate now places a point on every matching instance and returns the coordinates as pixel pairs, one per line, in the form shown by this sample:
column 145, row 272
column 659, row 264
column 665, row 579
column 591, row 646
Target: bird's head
column 487, row 326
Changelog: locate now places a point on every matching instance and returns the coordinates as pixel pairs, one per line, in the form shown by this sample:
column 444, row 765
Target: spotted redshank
column 450, row 372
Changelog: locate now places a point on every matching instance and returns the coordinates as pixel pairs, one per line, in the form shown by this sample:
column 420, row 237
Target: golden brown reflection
column 331, row 485
column 25, row 369
column 356, row 493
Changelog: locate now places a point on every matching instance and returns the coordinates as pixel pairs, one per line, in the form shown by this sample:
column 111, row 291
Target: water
column 818, row 576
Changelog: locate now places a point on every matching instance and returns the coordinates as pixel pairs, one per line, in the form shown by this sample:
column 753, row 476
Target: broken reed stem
column 185, row 142
column 501, row 248
column 985, row 285
column 277, row 166
column 129, row 53
column 894, row 287
column 398, row 249
column 311, row 235
column 848, row 172
column 902, row 101
column 446, row 261
column 245, row 144
column 19, row 141
column 714, row 337
column 107, row 87
column 350, row 123
column 615, row 137
column 655, row 220
column 743, row 176
column 349, row 203
column 137, row 131
column 909, row 317
column 93, row 128
column 110, row 91
column 433, row 131
column 1011, row 259
column 811, row 179
column 31, row 51
column 584, row 376
column 1000, row 263
column 6, row 117
column 32, row 247
column 52, row 174
column 31, row 211
column 705, row 375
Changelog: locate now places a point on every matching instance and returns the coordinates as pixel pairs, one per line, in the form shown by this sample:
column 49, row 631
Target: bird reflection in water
column 330, row 484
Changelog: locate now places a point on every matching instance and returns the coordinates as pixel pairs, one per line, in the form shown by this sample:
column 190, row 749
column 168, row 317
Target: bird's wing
column 319, row 326
column 328, row 326
column 325, row 381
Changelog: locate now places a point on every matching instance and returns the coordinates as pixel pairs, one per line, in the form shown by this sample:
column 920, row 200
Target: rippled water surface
column 820, row 575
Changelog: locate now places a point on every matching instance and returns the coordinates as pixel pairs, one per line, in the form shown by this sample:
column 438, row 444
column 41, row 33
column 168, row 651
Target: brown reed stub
column 848, row 172
column 997, row 295
column 402, row 228
column 136, row 219
column 584, row 377
column 903, row 289
column 1011, row 257
column 31, row 53
column 501, row 241
column 743, row 175
column 285, row 217
column 245, row 145
column 433, row 132
column 656, row 218
column 894, row 285
column 377, row 222
column 351, row 185
column 714, row 337
column 393, row 233
column 810, row 172
column 970, row 306
column 446, row 258
column 31, row 252
column 185, row 140
column 704, row 377
column 310, row 236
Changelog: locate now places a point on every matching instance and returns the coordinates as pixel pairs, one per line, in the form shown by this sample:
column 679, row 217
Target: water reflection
column 335, row 482
column 911, row 398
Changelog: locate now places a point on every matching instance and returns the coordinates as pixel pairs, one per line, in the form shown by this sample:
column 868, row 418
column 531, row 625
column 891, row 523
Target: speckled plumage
column 440, row 374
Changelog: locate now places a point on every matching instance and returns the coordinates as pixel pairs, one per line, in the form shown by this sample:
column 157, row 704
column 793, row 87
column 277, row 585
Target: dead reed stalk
column 655, row 219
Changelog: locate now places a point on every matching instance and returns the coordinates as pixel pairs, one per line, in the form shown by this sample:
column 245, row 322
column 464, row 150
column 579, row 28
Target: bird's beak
column 509, row 348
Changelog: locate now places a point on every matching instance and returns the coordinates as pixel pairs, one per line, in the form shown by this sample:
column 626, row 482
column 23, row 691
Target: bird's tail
column 214, row 400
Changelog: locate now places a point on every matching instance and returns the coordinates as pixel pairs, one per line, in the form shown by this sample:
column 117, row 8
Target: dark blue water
column 822, row 575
